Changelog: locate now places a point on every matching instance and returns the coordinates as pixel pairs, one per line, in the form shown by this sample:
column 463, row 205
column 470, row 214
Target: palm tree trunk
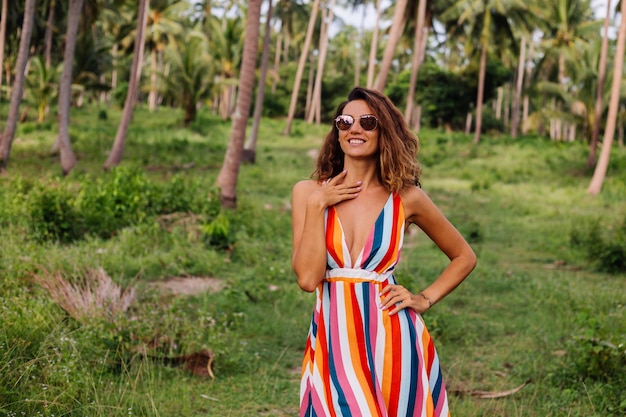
column 397, row 27
column 314, row 111
column 481, row 89
column 498, row 103
column 526, row 105
column 227, row 178
column 371, row 65
column 18, row 84
column 48, row 35
column 417, row 54
column 152, row 96
column 3, row 35
column 301, row 64
column 517, row 97
column 593, row 146
column 249, row 150
column 279, row 38
column 603, row 162
column 68, row 159
column 115, row 156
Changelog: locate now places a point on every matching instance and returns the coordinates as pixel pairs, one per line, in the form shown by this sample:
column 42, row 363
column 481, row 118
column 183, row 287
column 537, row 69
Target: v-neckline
column 348, row 261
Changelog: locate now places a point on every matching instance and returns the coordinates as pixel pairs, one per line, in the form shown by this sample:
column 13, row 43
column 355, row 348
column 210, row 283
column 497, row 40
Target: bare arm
column 309, row 201
column 425, row 214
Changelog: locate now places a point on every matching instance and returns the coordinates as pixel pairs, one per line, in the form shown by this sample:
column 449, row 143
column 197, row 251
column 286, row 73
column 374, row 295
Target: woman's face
column 360, row 137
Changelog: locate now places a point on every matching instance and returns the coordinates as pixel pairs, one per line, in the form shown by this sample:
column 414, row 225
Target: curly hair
column 398, row 145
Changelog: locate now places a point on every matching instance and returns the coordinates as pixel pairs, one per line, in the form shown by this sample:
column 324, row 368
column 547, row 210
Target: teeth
column 355, row 141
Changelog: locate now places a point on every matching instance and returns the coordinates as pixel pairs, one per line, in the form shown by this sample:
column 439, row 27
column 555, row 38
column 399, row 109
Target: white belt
column 359, row 274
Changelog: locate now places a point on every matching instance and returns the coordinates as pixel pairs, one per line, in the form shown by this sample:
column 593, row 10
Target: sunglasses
column 367, row 122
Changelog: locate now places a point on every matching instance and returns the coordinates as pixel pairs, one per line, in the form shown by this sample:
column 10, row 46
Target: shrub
column 119, row 199
column 596, row 354
column 52, row 214
column 604, row 247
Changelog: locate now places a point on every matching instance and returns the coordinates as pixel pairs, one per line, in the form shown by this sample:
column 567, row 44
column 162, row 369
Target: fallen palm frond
column 88, row 295
column 489, row 394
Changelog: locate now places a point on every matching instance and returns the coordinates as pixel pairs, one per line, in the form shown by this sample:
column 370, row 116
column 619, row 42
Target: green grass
column 535, row 309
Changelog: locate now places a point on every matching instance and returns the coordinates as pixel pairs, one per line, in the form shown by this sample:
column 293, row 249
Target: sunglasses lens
column 368, row 122
column 344, row 122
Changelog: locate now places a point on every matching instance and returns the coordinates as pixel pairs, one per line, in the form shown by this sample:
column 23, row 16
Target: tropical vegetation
column 148, row 145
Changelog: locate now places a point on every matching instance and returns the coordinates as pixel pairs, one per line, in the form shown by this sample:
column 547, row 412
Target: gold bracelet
column 430, row 302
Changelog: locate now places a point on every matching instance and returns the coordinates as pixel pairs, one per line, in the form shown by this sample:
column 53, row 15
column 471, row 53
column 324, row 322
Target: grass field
column 544, row 307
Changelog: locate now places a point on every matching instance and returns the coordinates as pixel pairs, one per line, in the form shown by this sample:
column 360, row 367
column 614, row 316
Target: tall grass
column 538, row 308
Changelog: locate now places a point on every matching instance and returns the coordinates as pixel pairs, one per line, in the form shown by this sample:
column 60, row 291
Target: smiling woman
column 368, row 351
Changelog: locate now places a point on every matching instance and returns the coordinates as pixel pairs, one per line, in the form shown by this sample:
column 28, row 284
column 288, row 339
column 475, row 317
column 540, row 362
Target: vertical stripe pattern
column 359, row 360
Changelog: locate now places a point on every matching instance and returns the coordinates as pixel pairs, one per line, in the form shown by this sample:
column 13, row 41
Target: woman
column 368, row 352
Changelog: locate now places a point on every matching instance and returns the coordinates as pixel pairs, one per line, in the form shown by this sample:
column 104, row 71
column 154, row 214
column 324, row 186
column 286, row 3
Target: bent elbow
column 307, row 286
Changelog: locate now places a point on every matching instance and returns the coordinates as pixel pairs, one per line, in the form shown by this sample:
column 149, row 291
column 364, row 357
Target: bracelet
column 430, row 302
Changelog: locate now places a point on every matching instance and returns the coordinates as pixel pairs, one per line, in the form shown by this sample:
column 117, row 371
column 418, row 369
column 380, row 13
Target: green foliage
column 515, row 200
column 65, row 212
column 604, row 247
column 596, row 353
column 447, row 96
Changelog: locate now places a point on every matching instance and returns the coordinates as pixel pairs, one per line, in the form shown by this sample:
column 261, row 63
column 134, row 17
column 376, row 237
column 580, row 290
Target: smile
column 355, row 141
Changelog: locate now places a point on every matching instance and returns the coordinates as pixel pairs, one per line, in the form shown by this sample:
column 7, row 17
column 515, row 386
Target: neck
column 364, row 171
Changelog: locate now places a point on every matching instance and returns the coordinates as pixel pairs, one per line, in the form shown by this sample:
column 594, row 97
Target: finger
column 387, row 289
column 399, row 307
column 339, row 177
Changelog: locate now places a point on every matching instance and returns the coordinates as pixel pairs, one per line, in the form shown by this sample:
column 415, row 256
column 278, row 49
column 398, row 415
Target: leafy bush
column 65, row 212
column 52, row 214
column 596, row 355
column 604, row 247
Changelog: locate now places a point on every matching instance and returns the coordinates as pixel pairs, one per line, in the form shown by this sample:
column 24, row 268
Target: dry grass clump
column 88, row 295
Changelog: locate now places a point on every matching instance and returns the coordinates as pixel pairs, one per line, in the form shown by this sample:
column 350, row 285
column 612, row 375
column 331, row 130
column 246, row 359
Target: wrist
column 427, row 298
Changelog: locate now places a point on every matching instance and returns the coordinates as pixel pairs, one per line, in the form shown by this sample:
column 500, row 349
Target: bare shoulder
column 417, row 204
column 302, row 189
column 305, row 187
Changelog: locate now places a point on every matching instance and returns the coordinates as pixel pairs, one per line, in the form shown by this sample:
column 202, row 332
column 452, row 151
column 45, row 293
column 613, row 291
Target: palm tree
column 316, row 102
column 397, row 27
column 225, row 37
column 301, row 63
column 162, row 25
column 227, row 179
column 593, row 145
column 567, row 24
column 48, row 36
column 595, row 186
column 371, row 63
column 249, row 149
column 115, row 156
column 41, row 85
column 191, row 72
column 18, row 85
column 418, row 45
column 68, row 159
column 486, row 22
column 292, row 15
column 3, row 34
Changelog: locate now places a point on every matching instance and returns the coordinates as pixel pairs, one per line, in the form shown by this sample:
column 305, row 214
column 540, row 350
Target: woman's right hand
column 333, row 191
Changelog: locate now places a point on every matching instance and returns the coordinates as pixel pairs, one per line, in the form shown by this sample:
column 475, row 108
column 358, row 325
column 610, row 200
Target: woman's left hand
column 396, row 298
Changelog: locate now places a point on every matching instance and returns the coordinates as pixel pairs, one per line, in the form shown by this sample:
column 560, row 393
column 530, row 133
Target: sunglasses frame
column 341, row 118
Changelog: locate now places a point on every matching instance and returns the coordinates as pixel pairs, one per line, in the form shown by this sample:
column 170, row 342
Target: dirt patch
column 190, row 285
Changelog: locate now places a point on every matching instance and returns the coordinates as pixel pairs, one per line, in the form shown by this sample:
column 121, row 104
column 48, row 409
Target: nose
column 357, row 122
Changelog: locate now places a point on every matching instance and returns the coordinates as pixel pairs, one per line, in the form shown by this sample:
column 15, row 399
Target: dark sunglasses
column 367, row 122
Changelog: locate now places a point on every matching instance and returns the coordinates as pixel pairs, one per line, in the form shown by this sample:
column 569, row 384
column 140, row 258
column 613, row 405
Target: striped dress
column 359, row 360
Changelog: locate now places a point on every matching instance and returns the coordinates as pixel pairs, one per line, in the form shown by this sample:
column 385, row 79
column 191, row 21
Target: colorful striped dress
column 359, row 360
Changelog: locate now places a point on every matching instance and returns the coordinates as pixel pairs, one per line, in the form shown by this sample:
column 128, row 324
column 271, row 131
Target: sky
column 354, row 16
